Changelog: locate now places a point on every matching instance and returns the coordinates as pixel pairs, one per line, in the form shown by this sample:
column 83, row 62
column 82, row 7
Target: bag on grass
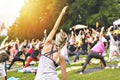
column 3, row 56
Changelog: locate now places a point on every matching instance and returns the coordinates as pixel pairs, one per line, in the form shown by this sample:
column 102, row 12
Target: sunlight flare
column 9, row 10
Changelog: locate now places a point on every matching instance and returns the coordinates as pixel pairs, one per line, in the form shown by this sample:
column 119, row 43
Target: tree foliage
column 38, row 15
column 88, row 12
column 35, row 17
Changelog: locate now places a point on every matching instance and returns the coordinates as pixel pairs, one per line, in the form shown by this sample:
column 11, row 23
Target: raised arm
column 45, row 34
column 94, row 31
column 109, row 29
column 6, row 45
column 101, row 33
column 109, row 34
column 3, row 42
column 52, row 33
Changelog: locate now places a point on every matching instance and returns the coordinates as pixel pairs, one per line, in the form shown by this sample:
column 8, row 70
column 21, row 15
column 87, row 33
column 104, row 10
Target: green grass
column 21, row 76
column 100, row 75
column 72, row 75
column 108, row 74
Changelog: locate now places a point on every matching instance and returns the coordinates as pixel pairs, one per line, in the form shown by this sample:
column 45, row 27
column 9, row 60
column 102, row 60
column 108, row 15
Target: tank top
column 47, row 68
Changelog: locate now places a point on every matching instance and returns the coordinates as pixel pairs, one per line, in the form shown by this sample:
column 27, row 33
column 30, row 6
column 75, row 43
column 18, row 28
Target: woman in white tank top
column 51, row 57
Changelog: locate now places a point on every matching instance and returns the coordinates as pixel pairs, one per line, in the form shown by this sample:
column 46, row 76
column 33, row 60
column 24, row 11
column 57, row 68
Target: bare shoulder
column 46, row 48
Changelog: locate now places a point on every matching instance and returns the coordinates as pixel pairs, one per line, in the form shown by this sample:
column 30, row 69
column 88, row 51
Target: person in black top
column 17, row 58
column 82, row 50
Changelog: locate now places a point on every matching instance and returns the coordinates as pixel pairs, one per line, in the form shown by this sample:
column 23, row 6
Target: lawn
column 72, row 75
column 105, row 74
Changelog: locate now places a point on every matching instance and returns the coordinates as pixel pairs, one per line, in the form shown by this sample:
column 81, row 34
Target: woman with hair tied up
column 50, row 56
column 96, row 52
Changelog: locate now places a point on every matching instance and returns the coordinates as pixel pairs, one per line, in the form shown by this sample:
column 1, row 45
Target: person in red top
column 34, row 56
column 29, row 52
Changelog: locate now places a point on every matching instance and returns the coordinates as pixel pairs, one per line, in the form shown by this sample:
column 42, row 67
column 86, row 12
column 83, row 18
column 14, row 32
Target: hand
column 64, row 9
column 45, row 31
column 92, row 29
column 102, row 28
column 110, row 28
column 6, row 38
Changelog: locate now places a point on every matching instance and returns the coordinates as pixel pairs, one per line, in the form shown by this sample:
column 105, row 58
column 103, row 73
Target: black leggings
column 16, row 59
column 27, row 56
column 93, row 55
column 78, row 53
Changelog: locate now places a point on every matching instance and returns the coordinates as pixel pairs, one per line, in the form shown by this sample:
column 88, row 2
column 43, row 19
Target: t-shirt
column 30, row 51
column 35, row 54
column 72, row 48
column 64, row 51
column 99, row 47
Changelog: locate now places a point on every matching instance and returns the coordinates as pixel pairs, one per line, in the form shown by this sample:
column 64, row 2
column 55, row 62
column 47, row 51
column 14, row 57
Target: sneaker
column 81, row 73
column 107, row 67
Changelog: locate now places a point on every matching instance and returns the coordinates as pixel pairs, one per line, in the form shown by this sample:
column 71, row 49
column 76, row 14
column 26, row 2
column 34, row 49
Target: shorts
column 2, row 69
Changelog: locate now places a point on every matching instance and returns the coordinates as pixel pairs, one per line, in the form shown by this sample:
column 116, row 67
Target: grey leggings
column 91, row 55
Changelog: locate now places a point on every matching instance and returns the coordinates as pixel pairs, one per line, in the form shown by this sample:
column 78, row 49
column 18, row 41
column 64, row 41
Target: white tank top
column 46, row 70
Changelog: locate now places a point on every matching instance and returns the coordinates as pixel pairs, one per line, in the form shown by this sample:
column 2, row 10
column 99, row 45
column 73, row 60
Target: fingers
column 6, row 38
column 111, row 26
column 45, row 31
column 64, row 9
column 102, row 27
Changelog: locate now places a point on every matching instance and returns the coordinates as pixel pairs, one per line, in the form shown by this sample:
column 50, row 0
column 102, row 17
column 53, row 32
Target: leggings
column 16, row 59
column 78, row 53
column 27, row 56
column 29, row 60
column 93, row 55
column 68, row 61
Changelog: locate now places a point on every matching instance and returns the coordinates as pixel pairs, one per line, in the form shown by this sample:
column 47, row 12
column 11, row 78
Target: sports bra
column 50, row 55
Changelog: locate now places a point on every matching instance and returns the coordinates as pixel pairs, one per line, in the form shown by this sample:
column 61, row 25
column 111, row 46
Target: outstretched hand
column 64, row 9
column 102, row 28
column 6, row 38
column 45, row 31
column 110, row 28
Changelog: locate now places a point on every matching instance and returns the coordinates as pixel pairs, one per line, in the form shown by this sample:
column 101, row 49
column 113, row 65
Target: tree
column 38, row 15
column 35, row 17
column 88, row 12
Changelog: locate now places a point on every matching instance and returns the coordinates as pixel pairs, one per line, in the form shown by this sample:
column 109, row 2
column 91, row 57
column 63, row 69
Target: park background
column 38, row 15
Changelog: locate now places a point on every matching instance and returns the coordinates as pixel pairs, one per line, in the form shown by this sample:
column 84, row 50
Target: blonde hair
column 60, row 38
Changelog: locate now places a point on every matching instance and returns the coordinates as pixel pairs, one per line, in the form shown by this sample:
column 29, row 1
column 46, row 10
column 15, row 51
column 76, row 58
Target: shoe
column 107, row 67
column 81, row 73
column 75, row 60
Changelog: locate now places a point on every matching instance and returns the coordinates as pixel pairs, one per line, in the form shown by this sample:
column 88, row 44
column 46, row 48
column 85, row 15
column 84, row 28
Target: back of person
column 113, row 43
column 50, row 55
column 112, row 40
column 46, row 66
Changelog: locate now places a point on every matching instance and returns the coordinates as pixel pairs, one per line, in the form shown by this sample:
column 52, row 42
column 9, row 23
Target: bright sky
column 9, row 10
